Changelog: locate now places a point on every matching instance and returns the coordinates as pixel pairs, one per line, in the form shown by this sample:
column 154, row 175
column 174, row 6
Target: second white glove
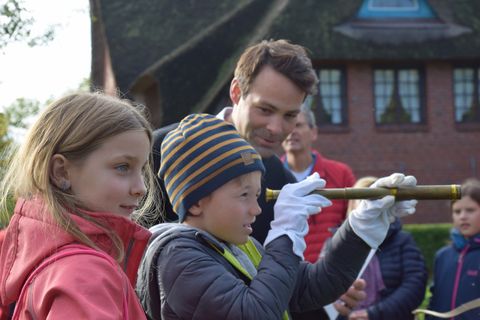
column 372, row 218
column 292, row 208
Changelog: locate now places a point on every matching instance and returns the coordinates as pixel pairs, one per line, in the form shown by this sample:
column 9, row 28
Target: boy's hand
column 292, row 208
column 372, row 218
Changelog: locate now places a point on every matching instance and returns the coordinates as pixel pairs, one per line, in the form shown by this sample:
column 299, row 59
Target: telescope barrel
column 425, row 192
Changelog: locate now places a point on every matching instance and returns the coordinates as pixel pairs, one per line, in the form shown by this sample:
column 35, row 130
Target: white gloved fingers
column 392, row 181
column 378, row 205
column 316, row 200
column 404, row 208
column 309, row 184
column 409, row 181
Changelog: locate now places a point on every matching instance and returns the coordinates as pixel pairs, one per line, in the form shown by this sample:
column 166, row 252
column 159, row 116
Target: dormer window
column 395, row 9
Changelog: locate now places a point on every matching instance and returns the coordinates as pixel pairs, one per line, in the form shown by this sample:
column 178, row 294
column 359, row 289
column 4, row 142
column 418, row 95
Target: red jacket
column 80, row 286
column 337, row 175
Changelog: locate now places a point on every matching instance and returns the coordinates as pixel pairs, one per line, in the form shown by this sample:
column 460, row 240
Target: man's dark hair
column 291, row 60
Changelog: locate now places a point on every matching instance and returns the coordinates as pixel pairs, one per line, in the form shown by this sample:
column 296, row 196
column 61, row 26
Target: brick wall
column 438, row 153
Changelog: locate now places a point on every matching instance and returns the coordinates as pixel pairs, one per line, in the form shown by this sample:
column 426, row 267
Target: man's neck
column 299, row 161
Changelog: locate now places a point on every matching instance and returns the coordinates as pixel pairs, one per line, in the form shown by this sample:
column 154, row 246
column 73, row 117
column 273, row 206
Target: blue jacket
column 404, row 274
column 457, row 276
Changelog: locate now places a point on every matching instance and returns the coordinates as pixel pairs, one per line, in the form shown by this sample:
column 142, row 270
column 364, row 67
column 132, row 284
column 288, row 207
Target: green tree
column 16, row 25
column 19, row 111
column 15, row 115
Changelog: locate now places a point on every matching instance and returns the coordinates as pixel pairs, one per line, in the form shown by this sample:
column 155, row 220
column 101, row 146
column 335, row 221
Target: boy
column 207, row 266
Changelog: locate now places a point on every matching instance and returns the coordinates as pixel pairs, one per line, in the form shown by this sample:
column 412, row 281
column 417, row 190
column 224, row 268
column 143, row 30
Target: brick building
column 399, row 80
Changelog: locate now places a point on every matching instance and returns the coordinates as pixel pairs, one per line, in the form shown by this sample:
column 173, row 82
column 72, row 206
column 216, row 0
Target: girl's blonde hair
column 73, row 126
column 363, row 182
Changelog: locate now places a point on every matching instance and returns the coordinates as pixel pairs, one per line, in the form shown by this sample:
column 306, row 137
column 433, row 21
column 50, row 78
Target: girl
column 456, row 269
column 71, row 249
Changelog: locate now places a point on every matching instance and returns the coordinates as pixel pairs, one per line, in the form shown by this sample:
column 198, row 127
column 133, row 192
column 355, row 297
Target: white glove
column 372, row 218
column 292, row 208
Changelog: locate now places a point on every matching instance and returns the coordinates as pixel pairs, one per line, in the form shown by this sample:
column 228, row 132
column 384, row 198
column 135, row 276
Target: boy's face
column 229, row 212
column 267, row 113
column 466, row 216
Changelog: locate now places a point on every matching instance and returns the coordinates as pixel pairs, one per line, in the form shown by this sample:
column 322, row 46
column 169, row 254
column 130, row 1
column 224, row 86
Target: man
column 270, row 83
column 302, row 160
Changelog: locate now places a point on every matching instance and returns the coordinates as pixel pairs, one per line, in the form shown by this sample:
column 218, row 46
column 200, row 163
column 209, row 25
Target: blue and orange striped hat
column 199, row 156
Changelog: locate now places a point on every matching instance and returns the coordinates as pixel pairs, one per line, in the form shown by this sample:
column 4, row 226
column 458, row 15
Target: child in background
column 457, row 266
column 208, row 266
column 71, row 250
column 396, row 276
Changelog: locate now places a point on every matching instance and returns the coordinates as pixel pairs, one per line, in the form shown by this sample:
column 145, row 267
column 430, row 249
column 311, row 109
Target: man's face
column 302, row 136
column 267, row 114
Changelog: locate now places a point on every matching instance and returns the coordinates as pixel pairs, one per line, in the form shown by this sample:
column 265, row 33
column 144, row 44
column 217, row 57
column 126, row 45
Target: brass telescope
column 426, row 192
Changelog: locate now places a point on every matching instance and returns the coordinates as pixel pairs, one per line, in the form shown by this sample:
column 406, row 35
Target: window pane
column 383, row 88
column 408, row 84
column 384, row 4
column 331, row 95
column 465, row 80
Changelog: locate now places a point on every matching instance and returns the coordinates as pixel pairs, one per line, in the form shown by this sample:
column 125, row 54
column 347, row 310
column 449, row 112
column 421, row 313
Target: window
column 398, row 98
column 329, row 102
column 395, row 9
column 466, row 82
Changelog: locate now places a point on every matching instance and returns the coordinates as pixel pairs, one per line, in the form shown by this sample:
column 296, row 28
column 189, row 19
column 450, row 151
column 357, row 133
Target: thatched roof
column 183, row 53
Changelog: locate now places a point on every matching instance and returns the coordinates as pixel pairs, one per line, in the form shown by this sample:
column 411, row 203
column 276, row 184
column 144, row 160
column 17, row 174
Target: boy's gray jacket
column 197, row 282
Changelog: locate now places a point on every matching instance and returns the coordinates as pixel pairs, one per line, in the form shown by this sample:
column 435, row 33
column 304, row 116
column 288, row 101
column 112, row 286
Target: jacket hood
column 162, row 234
column 32, row 235
column 459, row 241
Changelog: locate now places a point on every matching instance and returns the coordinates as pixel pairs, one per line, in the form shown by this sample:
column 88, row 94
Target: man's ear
column 59, row 171
column 314, row 133
column 235, row 92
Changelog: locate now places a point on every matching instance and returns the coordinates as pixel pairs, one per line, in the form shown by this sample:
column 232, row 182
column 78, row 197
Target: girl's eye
column 122, row 168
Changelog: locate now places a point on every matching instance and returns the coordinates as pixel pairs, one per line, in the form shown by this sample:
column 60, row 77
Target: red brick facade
column 439, row 152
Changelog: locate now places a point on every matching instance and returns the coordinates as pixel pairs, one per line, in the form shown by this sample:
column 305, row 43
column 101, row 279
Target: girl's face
column 110, row 179
column 466, row 216
column 229, row 212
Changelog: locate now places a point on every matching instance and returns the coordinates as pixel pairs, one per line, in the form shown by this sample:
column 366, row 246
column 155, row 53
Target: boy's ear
column 59, row 171
column 196, row 210
column 235, row 92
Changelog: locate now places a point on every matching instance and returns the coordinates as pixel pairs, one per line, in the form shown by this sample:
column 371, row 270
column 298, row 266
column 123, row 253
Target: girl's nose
column 139, row 189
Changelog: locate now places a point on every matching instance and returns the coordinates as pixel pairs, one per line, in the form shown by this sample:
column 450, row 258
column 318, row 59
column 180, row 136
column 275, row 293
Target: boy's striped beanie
column 199, row 156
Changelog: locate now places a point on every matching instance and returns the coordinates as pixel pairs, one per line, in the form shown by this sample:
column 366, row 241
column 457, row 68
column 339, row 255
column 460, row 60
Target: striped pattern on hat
column 199, row 156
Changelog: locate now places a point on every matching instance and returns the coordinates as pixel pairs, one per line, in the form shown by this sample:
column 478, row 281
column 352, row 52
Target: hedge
column 430, row 238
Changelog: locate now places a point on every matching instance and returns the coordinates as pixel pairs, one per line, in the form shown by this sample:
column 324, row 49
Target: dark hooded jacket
column 197, row 282
column 404, row 274
column 456, row 276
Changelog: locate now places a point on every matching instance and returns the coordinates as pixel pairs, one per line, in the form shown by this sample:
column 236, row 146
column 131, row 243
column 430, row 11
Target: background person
column 302, row 160
column 456, row 274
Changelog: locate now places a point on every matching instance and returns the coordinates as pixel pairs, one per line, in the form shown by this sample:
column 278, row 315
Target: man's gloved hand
column 372, row 218
column 292, row 208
